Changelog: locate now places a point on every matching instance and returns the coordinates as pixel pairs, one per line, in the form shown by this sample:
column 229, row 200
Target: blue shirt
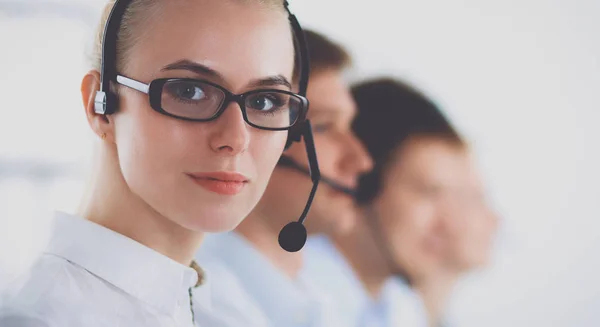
column 397, row 305
column 248, row 290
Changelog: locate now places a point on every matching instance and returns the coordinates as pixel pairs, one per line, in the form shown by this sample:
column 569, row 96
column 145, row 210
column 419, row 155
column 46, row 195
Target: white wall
column 521, row 78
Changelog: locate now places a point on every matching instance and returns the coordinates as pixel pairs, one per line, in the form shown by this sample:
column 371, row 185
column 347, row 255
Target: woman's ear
column 100, row 124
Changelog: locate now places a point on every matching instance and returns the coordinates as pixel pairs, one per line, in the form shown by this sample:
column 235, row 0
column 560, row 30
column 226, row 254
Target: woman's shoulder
column 43, row 295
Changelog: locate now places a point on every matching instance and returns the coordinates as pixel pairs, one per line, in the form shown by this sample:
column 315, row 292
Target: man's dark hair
column 390, row 113
column 324, row 54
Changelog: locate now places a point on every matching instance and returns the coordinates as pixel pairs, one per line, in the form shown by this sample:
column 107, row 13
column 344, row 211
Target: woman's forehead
column 257, row 46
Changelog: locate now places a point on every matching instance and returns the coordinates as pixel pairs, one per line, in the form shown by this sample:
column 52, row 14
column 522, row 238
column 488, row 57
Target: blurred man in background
column 398, row 265
column 470, row 227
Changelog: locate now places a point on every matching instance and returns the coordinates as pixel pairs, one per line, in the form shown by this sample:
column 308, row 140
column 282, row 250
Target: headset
column 286, row 161
column 292, row 236
column 372, row 220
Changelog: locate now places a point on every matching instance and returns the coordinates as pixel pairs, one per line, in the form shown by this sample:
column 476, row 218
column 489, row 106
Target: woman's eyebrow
column 194, row 67
column 277, row 80
column 197, row 68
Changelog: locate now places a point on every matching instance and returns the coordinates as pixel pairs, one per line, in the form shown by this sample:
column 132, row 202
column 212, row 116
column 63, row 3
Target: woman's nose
column 231, row 135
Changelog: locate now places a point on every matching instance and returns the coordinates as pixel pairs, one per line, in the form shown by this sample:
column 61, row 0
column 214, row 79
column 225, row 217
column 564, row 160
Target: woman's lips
column 224, row 183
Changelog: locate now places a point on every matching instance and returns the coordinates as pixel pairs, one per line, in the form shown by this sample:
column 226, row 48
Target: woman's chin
column 216, row 222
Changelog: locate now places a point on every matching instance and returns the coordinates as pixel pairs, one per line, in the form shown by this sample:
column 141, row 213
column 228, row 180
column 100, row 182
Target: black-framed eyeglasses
column 201, row 101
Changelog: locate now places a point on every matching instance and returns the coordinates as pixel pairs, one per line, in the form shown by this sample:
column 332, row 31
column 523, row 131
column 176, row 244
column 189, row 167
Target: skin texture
column 141, row 186
column 468, row 227
column 341, row 157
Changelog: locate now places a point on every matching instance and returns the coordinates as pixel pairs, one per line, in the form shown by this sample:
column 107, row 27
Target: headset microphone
column 286, row 161
column 292, row 236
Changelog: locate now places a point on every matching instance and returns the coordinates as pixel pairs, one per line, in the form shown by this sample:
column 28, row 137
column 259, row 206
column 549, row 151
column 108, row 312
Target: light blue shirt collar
column 325, row 266
column 398, row 304
column 286, row 302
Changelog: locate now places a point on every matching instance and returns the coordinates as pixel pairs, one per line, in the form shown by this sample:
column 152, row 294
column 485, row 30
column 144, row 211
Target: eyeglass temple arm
column 126, row 81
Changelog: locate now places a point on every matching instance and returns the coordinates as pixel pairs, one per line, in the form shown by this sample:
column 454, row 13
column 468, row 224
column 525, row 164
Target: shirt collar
column 324, row 261
column 128, row 265
column 279, row 296
column 397, row 305
column 397, row 294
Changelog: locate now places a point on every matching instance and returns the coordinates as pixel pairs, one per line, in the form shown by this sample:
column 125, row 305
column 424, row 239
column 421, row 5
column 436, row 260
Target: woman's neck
column 110, row 203
column 366, row 258
column 259, row 231
column 435, row 290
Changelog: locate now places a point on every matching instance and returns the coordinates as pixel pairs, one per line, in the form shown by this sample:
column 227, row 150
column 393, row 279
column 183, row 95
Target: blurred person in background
column 179, row 156
column 471, row 226
column 398, row 264
column 256, row 279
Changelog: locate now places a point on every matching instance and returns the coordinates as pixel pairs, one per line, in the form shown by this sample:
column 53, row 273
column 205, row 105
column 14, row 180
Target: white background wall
column 520, row 78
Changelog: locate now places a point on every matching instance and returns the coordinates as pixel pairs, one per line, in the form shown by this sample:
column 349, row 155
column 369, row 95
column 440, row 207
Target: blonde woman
column 191, row 101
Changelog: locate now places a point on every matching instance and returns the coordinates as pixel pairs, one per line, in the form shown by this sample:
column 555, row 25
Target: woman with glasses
column 190, row 127
column 256, row 281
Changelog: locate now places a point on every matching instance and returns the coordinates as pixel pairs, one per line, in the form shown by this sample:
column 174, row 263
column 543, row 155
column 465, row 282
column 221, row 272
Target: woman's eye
column 262, row 103
column 189, row 92
column 267, row 101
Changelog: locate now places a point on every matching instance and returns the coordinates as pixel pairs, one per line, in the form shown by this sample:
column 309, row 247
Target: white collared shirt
column 92, row 276
column 250, row 291
column 398, row 304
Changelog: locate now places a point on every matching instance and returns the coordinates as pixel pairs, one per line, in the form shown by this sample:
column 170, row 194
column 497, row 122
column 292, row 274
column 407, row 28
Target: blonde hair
column 130, row 33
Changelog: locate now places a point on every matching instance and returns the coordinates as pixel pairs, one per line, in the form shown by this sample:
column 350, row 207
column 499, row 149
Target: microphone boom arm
column 313, row 167
column 293, row 235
